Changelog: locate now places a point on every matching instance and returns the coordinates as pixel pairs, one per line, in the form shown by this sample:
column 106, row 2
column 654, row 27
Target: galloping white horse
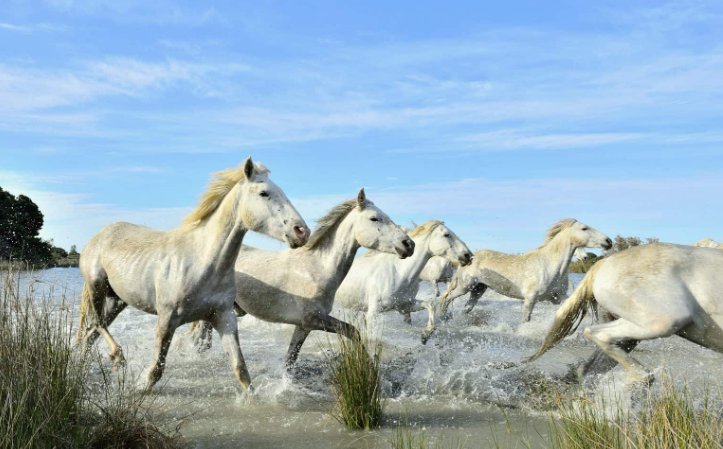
column 438, row 269
column 185, row 274
column 537, row 275
column 297, row 286
column 379, row 282
column 653, row 291
column 708, row 243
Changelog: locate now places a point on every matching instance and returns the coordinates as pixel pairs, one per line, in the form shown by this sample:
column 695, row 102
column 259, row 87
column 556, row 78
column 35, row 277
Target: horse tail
column 570, row 314
column 86, row 302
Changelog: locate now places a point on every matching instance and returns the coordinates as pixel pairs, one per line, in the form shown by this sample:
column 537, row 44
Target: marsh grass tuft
column 405, row 437
column 672, row 419
column 356, row 380
column 47, row 398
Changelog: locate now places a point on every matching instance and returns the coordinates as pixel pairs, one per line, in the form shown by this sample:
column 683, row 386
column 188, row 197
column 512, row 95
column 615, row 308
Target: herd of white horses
column 200, row 272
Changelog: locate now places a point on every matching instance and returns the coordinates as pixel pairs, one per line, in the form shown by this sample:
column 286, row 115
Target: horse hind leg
column 226, row 325
column 201, row 331
column 201, row 335
column 101, row 316
column 600, row 363
column 610, row 336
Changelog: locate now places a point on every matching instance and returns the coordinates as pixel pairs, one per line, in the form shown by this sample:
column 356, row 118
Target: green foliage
column 620, row 243
column 20, row 224
column 356, row 379
column 46, row 399
column 582, row 266
column 669, row 420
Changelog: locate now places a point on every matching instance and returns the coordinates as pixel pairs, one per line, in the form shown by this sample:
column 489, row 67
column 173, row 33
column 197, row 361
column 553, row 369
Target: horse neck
column 220, row 235
column 412, row 266
column 338, row 252
column 558, row 253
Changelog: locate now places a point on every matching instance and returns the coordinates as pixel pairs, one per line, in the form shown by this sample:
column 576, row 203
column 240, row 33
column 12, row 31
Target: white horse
column 653, row 291
column 540, row 274
column 708, row 243
column 185, row 274
column 297, row 286
column 438, row 269
column 379, row 282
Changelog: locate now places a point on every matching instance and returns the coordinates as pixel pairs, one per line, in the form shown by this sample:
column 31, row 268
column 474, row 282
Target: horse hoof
column 643, row 378
column 118, row 360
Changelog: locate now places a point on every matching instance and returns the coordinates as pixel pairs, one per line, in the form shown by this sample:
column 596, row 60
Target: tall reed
column 47, row 398
column 356, row 379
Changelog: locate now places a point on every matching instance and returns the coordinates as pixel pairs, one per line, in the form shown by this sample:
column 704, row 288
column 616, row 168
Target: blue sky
column 497, row 117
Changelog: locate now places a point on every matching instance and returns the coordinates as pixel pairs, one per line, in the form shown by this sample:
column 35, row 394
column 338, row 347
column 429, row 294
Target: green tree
column 20, row 224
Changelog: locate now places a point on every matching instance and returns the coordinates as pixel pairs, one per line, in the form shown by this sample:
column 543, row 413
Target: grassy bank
column 673, row 418
column 47, row 398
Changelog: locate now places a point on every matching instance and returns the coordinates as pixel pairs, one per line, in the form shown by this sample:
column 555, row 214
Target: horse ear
column 249, row 168
column 361, row 199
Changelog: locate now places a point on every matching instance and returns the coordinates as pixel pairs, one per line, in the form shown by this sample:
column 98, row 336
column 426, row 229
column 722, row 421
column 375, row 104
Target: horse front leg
column 297, row 341
column 476, row 292
column 431, row 321
column 328, row 323
column 435, row 288
column 528, row 306
column 456, row 288
column 226, row 325
column 165, row 328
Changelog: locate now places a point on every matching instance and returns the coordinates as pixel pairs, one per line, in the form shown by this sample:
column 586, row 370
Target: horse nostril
column 300, row 231
column 407, row 243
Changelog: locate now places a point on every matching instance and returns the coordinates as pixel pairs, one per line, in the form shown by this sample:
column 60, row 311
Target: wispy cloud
column 620, row 84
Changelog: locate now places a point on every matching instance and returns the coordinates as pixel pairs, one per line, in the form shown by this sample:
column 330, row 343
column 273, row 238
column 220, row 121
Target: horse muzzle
column 465, row 259
column 300, row 236
column 407, row 248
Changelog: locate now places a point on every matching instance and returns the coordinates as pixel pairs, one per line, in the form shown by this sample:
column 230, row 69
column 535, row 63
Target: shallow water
column 455, row 388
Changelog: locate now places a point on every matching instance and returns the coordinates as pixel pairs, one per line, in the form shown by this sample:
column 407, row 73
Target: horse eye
column 585, row 228
column 446, row 235
column 374, row 219
column 264, row 193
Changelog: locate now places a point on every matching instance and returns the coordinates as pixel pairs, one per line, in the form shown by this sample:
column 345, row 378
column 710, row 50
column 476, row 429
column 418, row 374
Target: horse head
column 445, row 243
column 373, row 229
column 266, row 209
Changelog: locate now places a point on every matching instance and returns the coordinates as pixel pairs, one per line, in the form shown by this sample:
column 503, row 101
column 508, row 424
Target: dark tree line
column 620, row 243
column 20, row 225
